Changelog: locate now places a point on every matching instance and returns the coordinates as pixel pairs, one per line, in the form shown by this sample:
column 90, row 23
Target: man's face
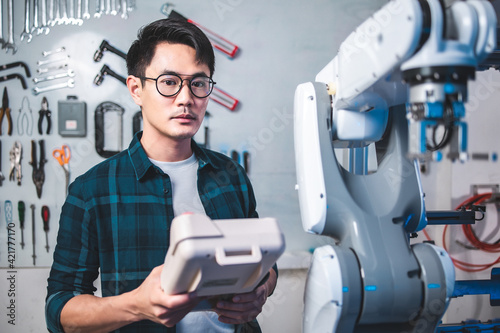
column 178, row 117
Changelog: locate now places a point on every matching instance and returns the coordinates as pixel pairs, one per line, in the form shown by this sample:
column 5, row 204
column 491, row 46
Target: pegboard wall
column 280, row 45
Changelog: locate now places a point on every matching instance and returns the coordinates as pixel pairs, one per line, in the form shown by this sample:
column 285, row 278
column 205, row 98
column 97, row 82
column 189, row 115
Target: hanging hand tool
column 10, row 21
column 58, row 50
column 63, row 156
column 105, row 70
column 2, row 178
column 21, row 208
column 45, row 219
column 5, row 111
column 33, row 238
column 17, row 64
column 38, row 174
column 26, row 32
column 100, row 146
column 15, row 155
column 68, row 84
column 14, row 76
column 105, row 46
column 44, row 113
column 217, row 41
column 2, row 40
column 23, row 117
column 8, row 213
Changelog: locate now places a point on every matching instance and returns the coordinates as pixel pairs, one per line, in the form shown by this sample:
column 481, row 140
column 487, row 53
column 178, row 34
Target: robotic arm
column 396, row 90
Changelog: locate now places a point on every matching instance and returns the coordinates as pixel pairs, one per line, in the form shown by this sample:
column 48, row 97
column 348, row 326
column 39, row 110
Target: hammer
column 105, row 46
column 105, row 70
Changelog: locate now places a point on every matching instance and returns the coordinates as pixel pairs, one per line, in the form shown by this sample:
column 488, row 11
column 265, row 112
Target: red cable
column 472, row 238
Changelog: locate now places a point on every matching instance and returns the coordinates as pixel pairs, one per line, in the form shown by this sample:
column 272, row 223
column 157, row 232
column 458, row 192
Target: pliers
column 44, row 112
column 5, row 111
column 38, row 172
column 15, row 155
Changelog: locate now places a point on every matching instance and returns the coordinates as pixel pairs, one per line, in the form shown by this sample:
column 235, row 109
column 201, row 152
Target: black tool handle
column 15, row 76
column 21, row 208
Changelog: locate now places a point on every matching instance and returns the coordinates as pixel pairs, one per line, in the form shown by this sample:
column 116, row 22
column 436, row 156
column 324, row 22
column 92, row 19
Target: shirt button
column 166, row 190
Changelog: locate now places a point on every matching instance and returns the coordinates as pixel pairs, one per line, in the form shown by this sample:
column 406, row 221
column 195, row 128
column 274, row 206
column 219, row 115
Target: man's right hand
column 153, row 304
column 88, row 313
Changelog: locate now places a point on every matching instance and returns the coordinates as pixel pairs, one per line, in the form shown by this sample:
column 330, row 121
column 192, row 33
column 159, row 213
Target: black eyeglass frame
column 211, row 82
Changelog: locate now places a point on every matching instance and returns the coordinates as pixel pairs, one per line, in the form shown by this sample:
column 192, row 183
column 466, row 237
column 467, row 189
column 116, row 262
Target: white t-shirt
column 186, row 199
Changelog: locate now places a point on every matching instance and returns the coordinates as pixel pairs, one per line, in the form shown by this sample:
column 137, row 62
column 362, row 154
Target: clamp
column 105, row 46
column 38, row 174
column 44, row 113
column 15, row 155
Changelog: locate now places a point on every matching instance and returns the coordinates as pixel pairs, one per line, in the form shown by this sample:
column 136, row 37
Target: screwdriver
column 21, row 209
column 45, row 219
column 33, row 238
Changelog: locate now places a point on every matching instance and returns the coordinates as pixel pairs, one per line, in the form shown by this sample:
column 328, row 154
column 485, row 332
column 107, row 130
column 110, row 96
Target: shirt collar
column 142, row 164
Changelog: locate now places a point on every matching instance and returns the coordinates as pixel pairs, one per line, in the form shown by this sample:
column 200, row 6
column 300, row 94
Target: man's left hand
column 242, row 308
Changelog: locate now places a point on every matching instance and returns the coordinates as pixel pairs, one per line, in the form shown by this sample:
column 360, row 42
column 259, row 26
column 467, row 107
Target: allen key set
column 41, row 15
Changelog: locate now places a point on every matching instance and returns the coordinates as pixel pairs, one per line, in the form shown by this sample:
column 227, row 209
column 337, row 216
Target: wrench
column 26, row 33
column 51, row 61
column 57, row 19
column 69, row 84
column 44, row 27
column 10, row 42
column 71, row 14
column 113, row 8
column 108, row 7
column 70, row 73
column 47, row 53
column 78, row 19
column 50, row 69
column 36, row 25
column 124, row 9
column 50, row 9
column 64, row 18
column 2, row 41
column 98, row 11
column 86, row 13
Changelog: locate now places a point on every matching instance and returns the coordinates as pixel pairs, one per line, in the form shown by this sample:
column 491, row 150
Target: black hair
column 174, row 31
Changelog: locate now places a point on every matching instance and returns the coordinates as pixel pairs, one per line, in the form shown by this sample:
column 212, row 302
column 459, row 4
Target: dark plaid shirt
column 116, row 219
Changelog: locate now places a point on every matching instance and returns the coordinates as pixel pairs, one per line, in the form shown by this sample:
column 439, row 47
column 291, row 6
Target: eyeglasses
column 169, row 85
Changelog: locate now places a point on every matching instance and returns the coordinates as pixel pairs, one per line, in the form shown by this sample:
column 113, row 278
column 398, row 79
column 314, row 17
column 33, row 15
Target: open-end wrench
column 69, row 84
column 64, row 13
column 36, row 26
column 51, row 61
column 44, row 28
column 50, row 69
column 58, row 50
column 50, row 9
column 86, row 12
column 57, row 19
column 71, row 12
column 69, row 73
column 10, row 40
column 78, row 18
column 2, row 40
column 26, row 33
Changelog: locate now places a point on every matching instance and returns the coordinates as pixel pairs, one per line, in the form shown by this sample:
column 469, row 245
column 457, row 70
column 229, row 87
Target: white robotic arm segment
column 310, row 173
column 373, row 50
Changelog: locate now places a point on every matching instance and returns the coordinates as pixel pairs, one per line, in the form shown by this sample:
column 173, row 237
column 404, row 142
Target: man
column 116, row 218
